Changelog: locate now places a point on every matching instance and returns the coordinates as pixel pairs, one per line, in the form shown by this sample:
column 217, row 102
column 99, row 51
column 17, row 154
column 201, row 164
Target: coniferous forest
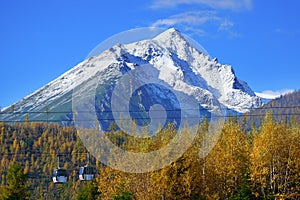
column 246, row 163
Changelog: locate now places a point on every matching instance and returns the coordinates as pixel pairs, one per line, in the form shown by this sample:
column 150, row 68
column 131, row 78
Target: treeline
column 261, row 163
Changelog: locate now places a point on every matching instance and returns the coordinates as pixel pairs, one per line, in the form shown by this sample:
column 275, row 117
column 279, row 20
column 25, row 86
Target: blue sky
column 40, row 40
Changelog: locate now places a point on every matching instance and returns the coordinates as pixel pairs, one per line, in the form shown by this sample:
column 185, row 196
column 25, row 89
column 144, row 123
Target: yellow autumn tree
column 226, row 165
column 275, row 160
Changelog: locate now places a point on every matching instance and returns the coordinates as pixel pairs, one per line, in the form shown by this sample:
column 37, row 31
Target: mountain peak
column 169, row 34
column 175, row 40
column 172, row 31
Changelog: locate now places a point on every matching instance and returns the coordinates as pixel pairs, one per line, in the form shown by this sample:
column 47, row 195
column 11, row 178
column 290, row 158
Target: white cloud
column 206, row 17
column 226, row 25
column 269, row 94
column 216, row 4
column 188, row 18
column 194, row 21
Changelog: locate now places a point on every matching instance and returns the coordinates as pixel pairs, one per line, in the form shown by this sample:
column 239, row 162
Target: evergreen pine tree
column 17, row 187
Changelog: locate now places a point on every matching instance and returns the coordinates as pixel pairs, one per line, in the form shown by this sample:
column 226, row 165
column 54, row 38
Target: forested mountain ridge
column 283, row 108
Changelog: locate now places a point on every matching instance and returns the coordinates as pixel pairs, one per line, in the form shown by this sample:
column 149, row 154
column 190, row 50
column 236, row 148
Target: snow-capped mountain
column 177, row 63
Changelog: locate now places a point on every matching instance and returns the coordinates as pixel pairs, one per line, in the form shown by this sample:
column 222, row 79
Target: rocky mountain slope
column 173, row 62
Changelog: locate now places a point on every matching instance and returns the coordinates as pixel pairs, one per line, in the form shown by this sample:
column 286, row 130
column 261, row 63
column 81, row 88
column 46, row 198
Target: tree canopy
column 17, row 186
